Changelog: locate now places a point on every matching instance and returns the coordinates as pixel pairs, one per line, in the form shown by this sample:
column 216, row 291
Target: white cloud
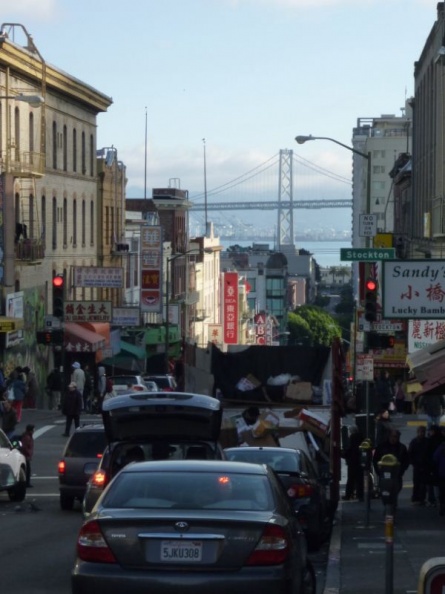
column 32, row 9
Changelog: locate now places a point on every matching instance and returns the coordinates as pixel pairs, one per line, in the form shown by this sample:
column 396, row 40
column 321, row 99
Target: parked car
column 155, row 426
column 12, row 468
column 80, row 458
column 302, row 482
column 193, row 526
column 165, row 383
column 124, row 383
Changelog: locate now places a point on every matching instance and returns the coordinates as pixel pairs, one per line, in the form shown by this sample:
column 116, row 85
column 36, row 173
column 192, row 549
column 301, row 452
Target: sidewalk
column 359, row 555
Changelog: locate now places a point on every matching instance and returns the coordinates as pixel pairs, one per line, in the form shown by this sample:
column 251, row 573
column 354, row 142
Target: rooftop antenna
column 205, row 186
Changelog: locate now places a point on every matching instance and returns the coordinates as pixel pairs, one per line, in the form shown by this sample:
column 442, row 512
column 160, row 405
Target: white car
column 12, row 469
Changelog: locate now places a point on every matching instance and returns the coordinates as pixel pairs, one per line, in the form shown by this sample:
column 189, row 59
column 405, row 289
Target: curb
column 332, row 582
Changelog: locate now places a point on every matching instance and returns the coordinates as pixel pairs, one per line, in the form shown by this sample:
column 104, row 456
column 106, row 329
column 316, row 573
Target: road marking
column 43, row 430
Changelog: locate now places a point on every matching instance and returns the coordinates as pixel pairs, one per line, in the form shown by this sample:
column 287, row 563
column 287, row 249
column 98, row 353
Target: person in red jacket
column 27, row 449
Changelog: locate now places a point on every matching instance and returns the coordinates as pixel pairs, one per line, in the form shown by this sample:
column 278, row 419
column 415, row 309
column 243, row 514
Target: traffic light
column 387, row 342
column 43, row 337
column 58, row 295
column 380, row 341
column 54, row 337
column 371, row 300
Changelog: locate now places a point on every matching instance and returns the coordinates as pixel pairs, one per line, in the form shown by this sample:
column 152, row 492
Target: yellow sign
column 383, row 240
column 10, row 324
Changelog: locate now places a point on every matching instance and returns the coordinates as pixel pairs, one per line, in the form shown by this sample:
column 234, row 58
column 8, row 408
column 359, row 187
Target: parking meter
column 389, row 479
column 365, row 454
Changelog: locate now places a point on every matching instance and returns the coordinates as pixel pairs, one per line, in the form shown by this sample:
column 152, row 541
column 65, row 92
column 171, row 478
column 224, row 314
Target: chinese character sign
column 414, row 289
column 230, row 307
column 151, row 268
column 423, row 333
column 215, row 334
column 260, row 328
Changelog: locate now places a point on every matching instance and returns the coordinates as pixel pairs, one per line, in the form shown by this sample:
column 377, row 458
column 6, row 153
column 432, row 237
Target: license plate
column 182, row 551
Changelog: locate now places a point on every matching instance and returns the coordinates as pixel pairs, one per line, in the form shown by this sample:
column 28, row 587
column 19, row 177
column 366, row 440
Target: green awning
column 133, row 350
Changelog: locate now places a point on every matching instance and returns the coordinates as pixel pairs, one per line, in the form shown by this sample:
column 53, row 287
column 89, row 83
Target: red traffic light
column 58, row 281
column 371, row 284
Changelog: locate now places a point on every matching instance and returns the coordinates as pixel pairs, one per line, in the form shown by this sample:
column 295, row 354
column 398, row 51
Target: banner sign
column 413, row 289
column 93, row 276
column 230, row 307
column 87, row 311
column 151, row 268
column 126, row 316
column 424, row 333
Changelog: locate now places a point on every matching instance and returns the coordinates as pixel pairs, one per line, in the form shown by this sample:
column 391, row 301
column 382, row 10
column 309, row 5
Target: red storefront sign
column 230, row 307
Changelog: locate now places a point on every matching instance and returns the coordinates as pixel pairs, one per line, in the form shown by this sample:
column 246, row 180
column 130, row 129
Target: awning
column 428, row 365
column 133, row 350
column 79, row 339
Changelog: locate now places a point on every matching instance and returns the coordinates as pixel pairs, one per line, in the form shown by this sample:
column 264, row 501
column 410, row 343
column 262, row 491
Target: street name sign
column 367, row 226
column 366, row 254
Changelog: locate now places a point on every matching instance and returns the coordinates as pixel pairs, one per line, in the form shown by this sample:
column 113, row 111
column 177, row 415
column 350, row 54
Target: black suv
column 80, row 458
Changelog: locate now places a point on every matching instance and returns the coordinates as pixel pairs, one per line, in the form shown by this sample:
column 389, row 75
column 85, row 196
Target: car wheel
column 18, row 491
column 308, row 582
column 66, row 502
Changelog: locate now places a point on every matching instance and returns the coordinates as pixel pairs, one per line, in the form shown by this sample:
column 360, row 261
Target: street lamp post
column 367, row 156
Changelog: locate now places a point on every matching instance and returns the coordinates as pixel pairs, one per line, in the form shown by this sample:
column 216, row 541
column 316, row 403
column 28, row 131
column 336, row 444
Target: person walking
column 9, row 418
column 383, row 426
column 399, row 396
column 393, row 446
column 439, row 461
column 18, row 386
column 88, row 389
column 384, row 390
column 32, row 388
column 72, row 407
column 432, row 405
column 78, row 377
column 434, row 439
column 54, row 388
column 27, row 449
column 352, row 456
column 418, row 458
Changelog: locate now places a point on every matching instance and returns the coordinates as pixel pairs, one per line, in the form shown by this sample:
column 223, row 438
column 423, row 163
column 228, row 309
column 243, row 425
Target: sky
column 245, row 75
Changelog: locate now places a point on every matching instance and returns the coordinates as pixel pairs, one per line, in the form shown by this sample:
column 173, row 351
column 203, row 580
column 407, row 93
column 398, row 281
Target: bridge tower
column 285, row 201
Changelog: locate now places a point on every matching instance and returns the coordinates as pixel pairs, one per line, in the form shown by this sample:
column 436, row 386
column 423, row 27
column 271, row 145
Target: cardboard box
column 228, row 437
column 313, row 422
column 263, row 441
column 300, row 391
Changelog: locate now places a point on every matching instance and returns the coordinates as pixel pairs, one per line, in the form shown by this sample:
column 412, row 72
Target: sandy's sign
column 413, row 289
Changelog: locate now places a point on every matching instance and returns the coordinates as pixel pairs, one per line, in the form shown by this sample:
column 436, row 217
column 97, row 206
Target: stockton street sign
column 366, row 254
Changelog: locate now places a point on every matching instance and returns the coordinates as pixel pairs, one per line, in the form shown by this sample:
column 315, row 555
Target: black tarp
column 263, row 362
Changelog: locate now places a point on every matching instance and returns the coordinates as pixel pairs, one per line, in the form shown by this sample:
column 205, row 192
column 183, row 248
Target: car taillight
column 61, row 467
column 300, row 491
column 92, row 546
column 272, row 549
column 138, row 388
column 99, row 479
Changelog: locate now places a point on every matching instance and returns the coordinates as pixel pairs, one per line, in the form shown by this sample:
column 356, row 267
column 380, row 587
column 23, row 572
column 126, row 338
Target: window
column 65, row 149
column 92, row 222
column 252, row 283
column 31, row 217
column 378, row 169
column 74, row 223
column 65, row 222
column 83, row 223
column 107, row 224
column 54, row 224
column 378, row 186
column 43, row 211
column 74, row 150
column 17, row 133
column 54, row 144
column 92, row 153
column 31, row 137
column 83, row 156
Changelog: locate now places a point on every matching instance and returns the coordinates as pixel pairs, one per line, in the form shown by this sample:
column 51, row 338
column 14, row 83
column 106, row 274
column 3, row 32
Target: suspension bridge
column 280, row 171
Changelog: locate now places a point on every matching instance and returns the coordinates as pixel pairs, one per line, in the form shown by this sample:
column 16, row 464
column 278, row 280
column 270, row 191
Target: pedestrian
column 72, row 407
column 432, row 405
column 352, row 456
column 9, row 418
column 78, row 377
column 88, row 389
column 18, row 389
column 418, row 458
column 392, row 445
column 399, row 396
column 384, row 390
column 32, row 388
column 383, row 426
column 2, row 380
column 101, row 382
column 54, row 388
column 439, row 461
column 27, row 449
column 434, row 439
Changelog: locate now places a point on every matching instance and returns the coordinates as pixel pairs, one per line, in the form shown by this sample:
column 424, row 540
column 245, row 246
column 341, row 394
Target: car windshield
column 86, row 444
column 124, row 380
column 191, row 491
column 279, row 461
